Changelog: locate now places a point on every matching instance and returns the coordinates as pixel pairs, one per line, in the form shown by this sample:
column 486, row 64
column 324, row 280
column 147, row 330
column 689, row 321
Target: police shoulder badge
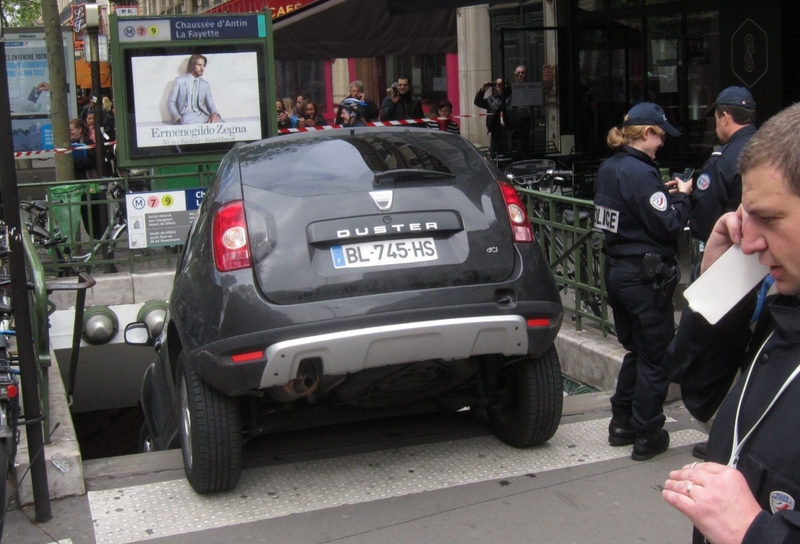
column 703, row 182
column 659, row 201
column 778, row 500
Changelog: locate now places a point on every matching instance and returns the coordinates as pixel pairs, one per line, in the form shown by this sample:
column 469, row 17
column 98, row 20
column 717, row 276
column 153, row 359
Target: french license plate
column 384, row 253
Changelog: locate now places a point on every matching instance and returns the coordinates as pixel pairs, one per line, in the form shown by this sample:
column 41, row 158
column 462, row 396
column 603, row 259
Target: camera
column 393, row 89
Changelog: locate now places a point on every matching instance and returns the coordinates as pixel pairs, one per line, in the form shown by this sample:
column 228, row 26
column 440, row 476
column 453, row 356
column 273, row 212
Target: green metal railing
column 564, row 227
column 40, row 310
column 64, row 205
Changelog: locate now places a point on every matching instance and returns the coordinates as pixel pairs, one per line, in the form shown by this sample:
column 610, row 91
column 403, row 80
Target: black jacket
column 634, row 207
column 408, row 107
column 768, row 459
column 704, row 359
column 719, row 186
column 494, row 106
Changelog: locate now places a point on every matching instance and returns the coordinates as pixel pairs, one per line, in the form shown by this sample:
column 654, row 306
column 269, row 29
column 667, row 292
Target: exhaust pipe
column 305, row 382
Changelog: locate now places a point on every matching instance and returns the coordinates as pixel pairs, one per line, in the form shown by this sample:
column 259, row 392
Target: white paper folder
column 725, row 283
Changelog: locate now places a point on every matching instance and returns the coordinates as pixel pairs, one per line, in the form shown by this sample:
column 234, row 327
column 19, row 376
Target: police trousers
column 644, row 331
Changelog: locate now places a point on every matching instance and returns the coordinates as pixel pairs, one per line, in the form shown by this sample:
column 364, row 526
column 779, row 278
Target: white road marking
column 143, row 512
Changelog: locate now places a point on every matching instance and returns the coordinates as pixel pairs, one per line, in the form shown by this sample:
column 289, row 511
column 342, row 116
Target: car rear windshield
column 335, row 163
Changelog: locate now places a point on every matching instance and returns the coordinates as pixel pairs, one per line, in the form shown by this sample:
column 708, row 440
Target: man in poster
column 190, row 101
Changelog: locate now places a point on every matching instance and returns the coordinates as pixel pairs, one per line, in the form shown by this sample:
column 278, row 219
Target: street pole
column 19, row 295
column 93, row 29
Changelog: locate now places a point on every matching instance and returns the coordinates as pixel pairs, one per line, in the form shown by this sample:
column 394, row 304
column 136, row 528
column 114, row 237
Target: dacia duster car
column 346, row 274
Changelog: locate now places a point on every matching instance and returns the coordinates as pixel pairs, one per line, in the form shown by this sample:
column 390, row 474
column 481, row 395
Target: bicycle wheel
column 47, row 248
column 116, row 237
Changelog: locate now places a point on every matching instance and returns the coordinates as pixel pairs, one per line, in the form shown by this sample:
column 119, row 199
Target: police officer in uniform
column 719, row 190
column 719, row 186
column 642, row 222
column 748, row 489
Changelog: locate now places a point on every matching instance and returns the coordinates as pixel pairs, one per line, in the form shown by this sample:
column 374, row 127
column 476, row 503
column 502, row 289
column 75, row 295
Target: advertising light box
column 193, row 86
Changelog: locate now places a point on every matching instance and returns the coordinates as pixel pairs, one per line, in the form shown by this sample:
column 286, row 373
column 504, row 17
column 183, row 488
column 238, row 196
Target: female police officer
column 641, row 222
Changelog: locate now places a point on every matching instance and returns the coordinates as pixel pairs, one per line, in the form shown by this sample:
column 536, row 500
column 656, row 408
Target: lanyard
column 737, row 446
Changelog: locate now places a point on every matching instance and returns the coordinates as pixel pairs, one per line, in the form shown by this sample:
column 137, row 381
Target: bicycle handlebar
column 541, row 180
column 30, row 205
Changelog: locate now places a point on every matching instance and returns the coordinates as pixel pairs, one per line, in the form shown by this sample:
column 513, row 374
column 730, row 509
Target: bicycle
column 55, row 243
column 584, row 273
column 9, row 391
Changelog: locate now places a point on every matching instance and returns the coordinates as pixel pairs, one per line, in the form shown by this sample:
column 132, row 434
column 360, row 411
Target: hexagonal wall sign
column 749, row 52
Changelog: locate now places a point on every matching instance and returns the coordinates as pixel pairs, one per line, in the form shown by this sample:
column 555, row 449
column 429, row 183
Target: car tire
column 210, row 431
column 526, row 399
column 145, row 439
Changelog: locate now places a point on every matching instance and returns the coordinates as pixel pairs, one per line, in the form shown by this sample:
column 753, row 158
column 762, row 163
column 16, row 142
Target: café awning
column 363, row 28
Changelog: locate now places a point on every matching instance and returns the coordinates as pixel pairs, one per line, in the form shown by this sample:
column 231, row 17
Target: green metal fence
column 564, row 227
column 41, row 308
column 70, row 206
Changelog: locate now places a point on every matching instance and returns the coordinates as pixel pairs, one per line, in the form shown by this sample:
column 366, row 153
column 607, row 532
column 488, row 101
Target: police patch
column 703, row 182
column 659, row 201
column 778, row 500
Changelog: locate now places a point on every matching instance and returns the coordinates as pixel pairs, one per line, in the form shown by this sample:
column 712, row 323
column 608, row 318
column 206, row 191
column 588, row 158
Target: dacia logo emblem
column 778, row 500
column 382, row 199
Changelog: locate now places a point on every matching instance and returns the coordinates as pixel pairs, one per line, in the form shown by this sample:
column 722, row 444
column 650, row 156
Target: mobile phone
column 688, row 173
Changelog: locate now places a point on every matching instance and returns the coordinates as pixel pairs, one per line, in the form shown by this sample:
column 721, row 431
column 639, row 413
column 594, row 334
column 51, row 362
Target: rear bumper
column 355, row 350
column 354, row 344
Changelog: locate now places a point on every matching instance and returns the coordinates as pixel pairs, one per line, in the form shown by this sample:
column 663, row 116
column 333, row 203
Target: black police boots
column 699, row 450
column 648, row 445
column 620, row 432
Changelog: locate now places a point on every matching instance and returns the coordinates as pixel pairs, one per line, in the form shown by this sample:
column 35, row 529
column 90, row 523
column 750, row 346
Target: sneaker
column 699, row 450
column 620, row 433
column 648, row 445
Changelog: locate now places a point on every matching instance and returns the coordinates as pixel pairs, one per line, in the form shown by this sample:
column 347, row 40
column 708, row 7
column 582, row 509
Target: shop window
column 306, row 77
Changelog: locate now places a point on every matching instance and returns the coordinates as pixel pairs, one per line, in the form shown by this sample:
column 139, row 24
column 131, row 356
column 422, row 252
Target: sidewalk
column 435, row 479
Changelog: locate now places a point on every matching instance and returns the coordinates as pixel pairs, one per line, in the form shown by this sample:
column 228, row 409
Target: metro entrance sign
column 161, row 218
column 191, row 86
column 194, row 28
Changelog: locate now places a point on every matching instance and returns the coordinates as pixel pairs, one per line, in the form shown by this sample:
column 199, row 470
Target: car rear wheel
column 211, row 435
column 525, row 400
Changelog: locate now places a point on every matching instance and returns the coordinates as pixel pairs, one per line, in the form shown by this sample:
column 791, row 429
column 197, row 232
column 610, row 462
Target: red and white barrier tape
column 399, row 122
column 56, row 151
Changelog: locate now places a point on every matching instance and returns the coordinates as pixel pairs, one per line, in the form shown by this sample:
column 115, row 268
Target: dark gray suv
column 345, row 274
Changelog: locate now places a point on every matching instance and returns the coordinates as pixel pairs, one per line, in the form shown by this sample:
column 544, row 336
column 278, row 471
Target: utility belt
column 664, row 275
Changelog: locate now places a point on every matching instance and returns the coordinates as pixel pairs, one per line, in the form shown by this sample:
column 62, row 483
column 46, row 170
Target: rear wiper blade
column 410, row 174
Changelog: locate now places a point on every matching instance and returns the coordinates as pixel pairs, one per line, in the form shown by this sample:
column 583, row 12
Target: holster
column 668, row 280
column 664, row 275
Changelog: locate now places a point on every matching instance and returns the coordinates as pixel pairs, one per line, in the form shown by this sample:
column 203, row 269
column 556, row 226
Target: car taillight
column 520, row 225
column 535, row 322
column 231, row 249
column 247, row 356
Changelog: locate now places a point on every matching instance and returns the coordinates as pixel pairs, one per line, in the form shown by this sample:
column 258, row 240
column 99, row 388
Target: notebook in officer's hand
column 725, row 283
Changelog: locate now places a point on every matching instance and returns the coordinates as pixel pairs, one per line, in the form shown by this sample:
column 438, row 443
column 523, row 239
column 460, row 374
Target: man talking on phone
column 719, row 186
column 748, row 488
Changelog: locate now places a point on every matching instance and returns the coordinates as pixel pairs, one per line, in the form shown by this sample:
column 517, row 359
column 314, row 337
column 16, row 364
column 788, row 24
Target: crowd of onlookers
column 358, row 110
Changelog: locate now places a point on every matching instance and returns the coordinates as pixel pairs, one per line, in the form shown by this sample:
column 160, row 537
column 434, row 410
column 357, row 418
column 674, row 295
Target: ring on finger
column 693, row 465
column 689, row 488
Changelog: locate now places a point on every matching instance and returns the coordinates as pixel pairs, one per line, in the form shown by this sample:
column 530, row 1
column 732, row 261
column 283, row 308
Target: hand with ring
column 716, row 498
